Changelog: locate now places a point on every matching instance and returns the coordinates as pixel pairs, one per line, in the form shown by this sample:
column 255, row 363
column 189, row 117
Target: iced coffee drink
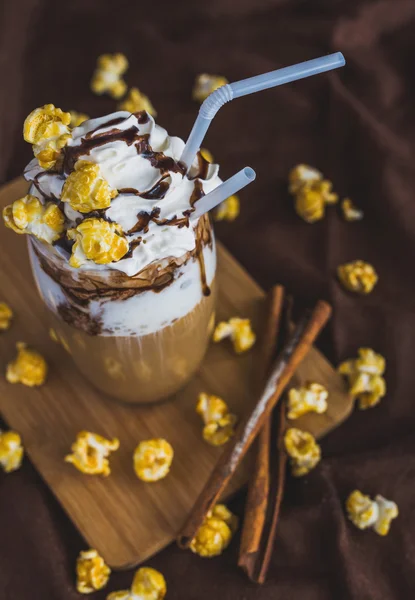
column 128, row 277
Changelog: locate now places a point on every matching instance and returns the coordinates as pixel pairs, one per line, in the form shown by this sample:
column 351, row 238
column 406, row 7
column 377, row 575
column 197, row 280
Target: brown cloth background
column 357, row 125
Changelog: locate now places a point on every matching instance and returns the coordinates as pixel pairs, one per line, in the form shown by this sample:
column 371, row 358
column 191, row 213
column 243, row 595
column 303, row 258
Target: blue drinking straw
column 228, row 92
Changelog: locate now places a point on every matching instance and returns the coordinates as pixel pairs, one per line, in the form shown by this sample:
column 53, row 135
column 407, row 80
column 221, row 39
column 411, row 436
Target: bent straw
column 223, row 191
column 228, row 92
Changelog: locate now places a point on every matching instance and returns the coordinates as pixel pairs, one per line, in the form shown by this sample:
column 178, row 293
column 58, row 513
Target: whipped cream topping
column 155, row 198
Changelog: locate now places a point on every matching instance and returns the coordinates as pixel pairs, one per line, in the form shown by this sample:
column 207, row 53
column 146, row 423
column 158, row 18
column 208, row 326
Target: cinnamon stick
column 287, row 362
column 259, row 487
column 265, row 488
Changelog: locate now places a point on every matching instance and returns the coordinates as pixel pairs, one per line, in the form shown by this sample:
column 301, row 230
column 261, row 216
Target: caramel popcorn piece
column 6, row 316
column 97, row 240
column 77, row 118
column 206, row 84
column 11, row 451
column 311, row 200
column 91, row 572
column 148, row 584
column 28, row 215
column 365, row 377
column 312, row 192
column 29, row 367
column 47, row 129
column 152, row 459
column 219, row 422
column 207, row 155
column 108, row 75
column 377, row 514
column 357, row 276
column 311, row 397
column 135, row 101
column 216, row 532
column 240, row 332
column 86, row 190
column 303, row 449
column 302, row 175
column 350, row 211
column 227, row 210
column 90, row 453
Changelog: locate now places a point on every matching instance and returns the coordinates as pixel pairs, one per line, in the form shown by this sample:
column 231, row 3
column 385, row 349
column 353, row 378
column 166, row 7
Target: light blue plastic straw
column 228, row 92
column 223, row 191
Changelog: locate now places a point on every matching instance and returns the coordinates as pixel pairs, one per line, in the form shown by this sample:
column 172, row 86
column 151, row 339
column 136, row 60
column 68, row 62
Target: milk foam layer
column 140, row 160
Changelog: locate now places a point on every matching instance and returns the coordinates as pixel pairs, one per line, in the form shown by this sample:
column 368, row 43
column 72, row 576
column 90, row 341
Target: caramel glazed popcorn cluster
column 70, row 201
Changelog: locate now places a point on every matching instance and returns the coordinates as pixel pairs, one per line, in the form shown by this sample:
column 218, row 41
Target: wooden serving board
column 125, row 519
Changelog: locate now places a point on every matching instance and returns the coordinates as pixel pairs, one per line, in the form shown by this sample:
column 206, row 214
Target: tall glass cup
column 138, row 339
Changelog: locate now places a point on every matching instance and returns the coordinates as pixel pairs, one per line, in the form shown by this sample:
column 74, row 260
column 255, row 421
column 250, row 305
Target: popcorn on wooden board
column 148, row 584
column 90, row 453
column 107, row 77
column 240, row 332
column 92, row 573
column 28, row 368
column 350, row 211
column 11, row 451
column 357, row 276
column 59, row 339
column 97, row 240
column 136, row 101
column 303, row 450
column 228, row 210
column 206, row 84
column 29, row 216
column 365, row 377
column 86, row 189
column 376, row 514
column 311, row 397
column 216, row 532
column 47, row 128
column 152, row 459
column 6, row 316
column 77, row 118
column 219, row 422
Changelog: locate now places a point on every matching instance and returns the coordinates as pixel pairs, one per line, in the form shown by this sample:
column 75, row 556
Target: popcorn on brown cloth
column 216, row 532
column 86, row 189
column 92, row 573
column 153, row 459
column 47, row 128
column 357, row 276
column 29, row 367
column 29, row 216
column 107, row 77
column 239, row 331
column 311, row 397
column 6, row 316
column 312, row 192
column 350, row 211
column 11, row 451
column 97, row 240
column 90, row 453
column 148, row 584
column 219, row 422
column 206, row 84
column 77, row 118
column 303, row 450
column 376, row 514
column 365, row 377
column 136, row 101
column 228, row 210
